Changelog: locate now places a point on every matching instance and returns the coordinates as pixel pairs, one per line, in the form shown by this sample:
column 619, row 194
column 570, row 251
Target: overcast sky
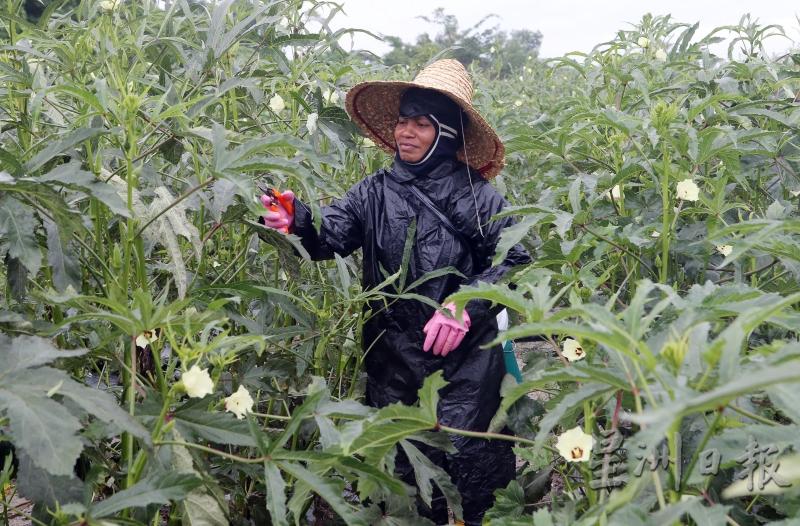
column 566, row 25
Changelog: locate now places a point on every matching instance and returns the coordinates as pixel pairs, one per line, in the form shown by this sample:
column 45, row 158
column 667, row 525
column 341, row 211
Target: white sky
column 566, row 25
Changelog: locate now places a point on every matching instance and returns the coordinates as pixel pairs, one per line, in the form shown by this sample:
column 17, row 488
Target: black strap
column 440, row 215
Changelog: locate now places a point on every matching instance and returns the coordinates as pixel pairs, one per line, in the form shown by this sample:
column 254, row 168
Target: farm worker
column 444, row 155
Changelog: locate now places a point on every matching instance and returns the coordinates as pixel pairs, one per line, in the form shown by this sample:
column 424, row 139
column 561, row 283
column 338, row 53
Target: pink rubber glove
column 444, row 333
column 280, row 212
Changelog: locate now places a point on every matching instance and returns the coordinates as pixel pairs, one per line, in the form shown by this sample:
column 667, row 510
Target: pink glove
column 445, row 333
column 280, row 211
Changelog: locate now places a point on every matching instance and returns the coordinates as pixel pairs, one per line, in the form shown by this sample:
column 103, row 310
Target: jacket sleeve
column 489, row 203
column 341, row 231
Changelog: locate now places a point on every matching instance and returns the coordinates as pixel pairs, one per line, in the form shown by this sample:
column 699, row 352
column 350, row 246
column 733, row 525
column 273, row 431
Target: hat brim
column 374, row 107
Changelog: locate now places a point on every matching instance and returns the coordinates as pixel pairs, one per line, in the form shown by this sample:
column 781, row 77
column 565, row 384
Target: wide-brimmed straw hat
column 375, row 105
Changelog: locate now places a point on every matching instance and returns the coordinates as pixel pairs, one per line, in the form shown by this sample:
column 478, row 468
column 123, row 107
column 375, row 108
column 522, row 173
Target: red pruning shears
column 276, row 196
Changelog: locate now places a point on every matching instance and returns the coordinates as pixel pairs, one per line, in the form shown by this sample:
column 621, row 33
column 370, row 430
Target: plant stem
column 666, row 231
column 699, row 448
column 753, row 416
column 130, row 398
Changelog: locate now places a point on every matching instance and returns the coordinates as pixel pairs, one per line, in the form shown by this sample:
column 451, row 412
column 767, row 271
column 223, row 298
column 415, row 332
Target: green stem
column 753, row 416
column 700, row 447
column 141, row 457
column 588, row 425
column 258, row 460
column 130, row 398
column 665, row 215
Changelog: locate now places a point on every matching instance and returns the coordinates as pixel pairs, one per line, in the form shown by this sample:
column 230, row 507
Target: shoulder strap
column 430, row 205
column 425, row 200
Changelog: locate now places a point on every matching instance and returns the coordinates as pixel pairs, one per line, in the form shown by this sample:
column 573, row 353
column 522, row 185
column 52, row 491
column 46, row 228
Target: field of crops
column 161, row 363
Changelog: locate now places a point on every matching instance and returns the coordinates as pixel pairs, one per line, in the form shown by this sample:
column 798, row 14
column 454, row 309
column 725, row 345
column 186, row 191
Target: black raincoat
column 375, row 216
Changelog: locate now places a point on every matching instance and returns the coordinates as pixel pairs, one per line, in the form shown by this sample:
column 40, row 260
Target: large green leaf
column 24, row 352
column 276, row 494
column 325, row 488
column 426, row 472
column 514, row 234
column 62, row 144
column 397, row 421
column 62, row 257
column 10, row 162
column 46, row 489
column 749, row 380
column 16, row 278
column 221, row 428
column 18, row 227
column 43, row 429
column 71, row 175
column 101, row 404
column 156, row 488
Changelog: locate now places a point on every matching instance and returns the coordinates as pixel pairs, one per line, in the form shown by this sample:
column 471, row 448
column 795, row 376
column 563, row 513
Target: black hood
column 445, row 115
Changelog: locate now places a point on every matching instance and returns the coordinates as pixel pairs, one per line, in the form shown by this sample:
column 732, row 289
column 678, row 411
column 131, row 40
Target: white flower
column 725, row 250
column 492, row 49
column 615, row 193
column 794, row 193
column 311, row 123
column 146, row 338
column 655, row 234
column 572, row 350
column 276, row 103
column 575, row 445
column 239, row 403
column 107, row 6
column 368, row 143
column 517, row 103
column 643, row 42
column 661, row 55
column 197, row 382
column 687, row 190
column 521, row 77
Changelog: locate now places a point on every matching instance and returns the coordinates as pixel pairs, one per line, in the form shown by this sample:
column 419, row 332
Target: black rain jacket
column 375, row 215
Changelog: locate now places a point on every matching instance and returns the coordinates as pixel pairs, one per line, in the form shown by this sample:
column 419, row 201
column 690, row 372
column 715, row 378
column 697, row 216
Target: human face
column 413, row 135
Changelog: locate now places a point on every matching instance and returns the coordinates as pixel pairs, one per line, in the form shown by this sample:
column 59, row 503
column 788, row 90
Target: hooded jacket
column 375, row 215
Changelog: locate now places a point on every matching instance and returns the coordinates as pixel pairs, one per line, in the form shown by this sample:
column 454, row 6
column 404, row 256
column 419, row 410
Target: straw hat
column 374, row 107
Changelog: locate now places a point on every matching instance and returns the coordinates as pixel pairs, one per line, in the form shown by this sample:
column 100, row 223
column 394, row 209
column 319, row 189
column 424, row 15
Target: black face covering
column 445, row 115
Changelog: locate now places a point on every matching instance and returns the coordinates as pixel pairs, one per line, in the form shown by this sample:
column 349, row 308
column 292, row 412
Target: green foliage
column 686, row 309
column 134, row 139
